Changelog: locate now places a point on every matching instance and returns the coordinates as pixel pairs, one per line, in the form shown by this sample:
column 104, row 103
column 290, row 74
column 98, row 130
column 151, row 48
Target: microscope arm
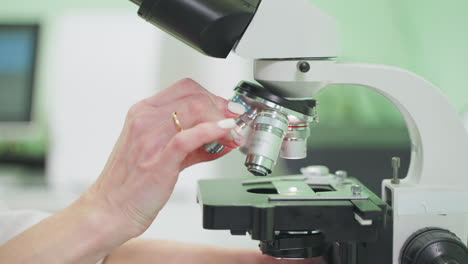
column 437, row 134
column 434, row 191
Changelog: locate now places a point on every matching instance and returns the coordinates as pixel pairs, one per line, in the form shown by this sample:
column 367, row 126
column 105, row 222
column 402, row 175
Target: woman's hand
column 150, row 153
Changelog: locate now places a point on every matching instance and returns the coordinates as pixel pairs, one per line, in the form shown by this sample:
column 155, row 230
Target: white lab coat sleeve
column 14, row 222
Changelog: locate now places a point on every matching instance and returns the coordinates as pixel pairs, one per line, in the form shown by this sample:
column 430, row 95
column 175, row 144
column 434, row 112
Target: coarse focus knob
column 434, row 246
column 296, row 246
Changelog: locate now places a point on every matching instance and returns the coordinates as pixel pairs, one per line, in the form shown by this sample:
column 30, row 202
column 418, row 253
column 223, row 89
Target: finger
column 152, row 135
column 154, row 141
column 235, row 109
column 190, row 140
column 169, row 130
column 190, row 112
column 201, row 155
column 187, row 87
column 183, row 88
column 197, row 109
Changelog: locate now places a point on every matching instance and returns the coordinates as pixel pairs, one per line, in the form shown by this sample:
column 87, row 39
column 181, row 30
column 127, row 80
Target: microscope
column 420, row 219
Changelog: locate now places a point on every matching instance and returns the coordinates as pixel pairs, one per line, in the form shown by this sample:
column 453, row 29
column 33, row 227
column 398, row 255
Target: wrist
column 81, row 233
column 103, row 230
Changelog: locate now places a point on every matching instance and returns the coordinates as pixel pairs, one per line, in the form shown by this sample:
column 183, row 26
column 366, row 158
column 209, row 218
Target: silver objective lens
column 295, row 142
column 214, row 148
column 242, row 130
column 264, row 141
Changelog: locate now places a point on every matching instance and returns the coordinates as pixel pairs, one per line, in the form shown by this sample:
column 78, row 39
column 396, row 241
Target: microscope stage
column 343, row 210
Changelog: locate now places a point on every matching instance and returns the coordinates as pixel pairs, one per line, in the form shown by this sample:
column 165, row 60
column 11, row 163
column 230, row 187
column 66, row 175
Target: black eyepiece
column 137, row 2
column 212, row 27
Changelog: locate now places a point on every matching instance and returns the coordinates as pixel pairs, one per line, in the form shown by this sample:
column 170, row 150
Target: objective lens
column 238, row 133
column 242, row 130
column 264, row 142
column 214, row 148
column 295, row 142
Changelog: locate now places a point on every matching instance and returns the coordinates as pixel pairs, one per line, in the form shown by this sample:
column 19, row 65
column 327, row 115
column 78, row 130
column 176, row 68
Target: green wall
column 429, row 38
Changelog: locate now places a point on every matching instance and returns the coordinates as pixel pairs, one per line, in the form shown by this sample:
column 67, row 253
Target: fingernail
column 227, row 123
column 236, row 108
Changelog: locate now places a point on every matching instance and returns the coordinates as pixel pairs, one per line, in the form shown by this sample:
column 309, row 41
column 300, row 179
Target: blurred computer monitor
column 18, row 53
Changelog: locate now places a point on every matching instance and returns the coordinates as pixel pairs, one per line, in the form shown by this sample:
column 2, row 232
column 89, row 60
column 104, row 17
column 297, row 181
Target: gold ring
column 177, row 122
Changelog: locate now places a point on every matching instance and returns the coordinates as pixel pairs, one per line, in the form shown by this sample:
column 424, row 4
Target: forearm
column 78, row 234
column 169, row 252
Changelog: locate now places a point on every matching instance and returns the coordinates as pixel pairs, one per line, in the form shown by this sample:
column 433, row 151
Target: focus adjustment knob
column 434, row 246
